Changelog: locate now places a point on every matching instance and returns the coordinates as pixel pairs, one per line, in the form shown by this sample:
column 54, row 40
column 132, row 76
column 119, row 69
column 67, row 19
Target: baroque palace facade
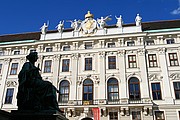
column 117, row 72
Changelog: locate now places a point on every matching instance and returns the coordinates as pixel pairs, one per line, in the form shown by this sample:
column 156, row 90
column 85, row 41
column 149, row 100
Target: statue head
column 32, row 57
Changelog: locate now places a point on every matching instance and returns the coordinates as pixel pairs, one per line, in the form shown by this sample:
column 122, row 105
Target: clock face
column 89, row 26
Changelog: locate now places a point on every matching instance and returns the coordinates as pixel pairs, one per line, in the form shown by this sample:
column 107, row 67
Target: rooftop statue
column 33, row 92
column 102, row 21
column 138, row 20
column 44, row 28
column 75, row 24
column 119, row 21
column 60, row 26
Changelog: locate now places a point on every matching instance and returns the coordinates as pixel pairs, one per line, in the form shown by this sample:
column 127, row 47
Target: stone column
column 166, row 82
column 74, row 85
column 102, row 70
column 160, row 40
column 144, row 84
column 3, row 80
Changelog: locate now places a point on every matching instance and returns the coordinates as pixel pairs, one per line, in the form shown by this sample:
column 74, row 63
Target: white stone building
column 126, row 72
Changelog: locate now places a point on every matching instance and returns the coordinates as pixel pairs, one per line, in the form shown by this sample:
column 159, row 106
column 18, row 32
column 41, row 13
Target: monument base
column 37, row 115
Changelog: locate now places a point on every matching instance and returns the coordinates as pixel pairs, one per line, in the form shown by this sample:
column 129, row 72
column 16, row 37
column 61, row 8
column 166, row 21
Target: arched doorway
column 87, row 119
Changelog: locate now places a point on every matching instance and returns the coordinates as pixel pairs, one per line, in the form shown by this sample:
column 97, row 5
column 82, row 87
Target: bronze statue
column 33, row 92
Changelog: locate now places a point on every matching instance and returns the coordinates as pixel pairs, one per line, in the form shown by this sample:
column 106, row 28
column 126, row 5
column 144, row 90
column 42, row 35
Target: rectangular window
column 152, row 60
column 88, row 45
column 177, row 89
column 66, row 48
column 49, row 49
column 88, row 63
column 150, row 42
column 159, row 115
column 170, row 41
column 9, row 95
column 65, row 65
column 136, row 115
column 32, row 50
column 14, row 68
column 173, row 59
column 111, row 45
column 17, row 52
column 0, row 68
column 156, row 91
column 47, row 66
column 1, row 53
column 113, row 115
column 132, row 61
column 130, row 43
column 112, row 62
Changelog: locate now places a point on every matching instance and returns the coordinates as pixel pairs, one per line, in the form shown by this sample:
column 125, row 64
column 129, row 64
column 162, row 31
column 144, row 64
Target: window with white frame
column 65, row 65
column 113, row 115
column 134, row 89
column 1, row 53
column 47, row 66
column 88, row 45
column 111, row 45
column 66, row 48
column 173, row 59
column 136, row 115
column 0, row 68
column 130, row 43
column 152, row 60
column 159, row 115
column 156, row 91
column 16, row 52
column 176, row 89
column 9, row 96
column 14, row 68
column 113, row 89
column 150, row 42
column 64, row 91
column 112, row 62
column 32, row 50
column 88, row 63
column 170, row 41
column 49, row 49
column 132, row 61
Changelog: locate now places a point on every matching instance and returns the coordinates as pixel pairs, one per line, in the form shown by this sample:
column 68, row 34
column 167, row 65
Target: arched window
column 113, row 89
column 88, row 90
column 134, row 88
column 64, row 91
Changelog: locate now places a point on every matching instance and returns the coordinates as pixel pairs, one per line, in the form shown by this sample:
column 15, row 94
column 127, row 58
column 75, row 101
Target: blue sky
column 19, row 16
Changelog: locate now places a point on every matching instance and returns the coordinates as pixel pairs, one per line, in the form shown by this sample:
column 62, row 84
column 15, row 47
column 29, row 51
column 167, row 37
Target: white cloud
column 176, row 11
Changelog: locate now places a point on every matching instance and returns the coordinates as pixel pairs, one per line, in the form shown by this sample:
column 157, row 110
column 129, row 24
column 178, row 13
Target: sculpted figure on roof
column 60, row 26
column 75, row 24
column 44, row 28
column 138, row 20
column 119, row 21
column 102, row 21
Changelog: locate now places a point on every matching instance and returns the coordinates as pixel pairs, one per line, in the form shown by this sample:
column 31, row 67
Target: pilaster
column 102, row 68
column 166, row 82
column 122, row 71
column 74, row 86
column 56, row 59
column 143, row 68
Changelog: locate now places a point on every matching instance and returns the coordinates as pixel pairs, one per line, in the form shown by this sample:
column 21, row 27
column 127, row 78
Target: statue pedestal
column 37, row 115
